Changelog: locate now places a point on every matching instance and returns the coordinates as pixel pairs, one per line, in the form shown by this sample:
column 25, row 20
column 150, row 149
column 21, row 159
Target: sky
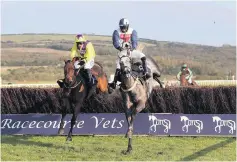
column 199, row 22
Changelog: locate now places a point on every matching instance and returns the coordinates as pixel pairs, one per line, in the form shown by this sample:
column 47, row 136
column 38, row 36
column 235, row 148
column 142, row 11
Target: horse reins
column 76, row 79
column 73, row 86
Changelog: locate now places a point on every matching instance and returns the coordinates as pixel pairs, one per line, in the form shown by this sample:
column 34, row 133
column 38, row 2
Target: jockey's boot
column 116, row 78
column 144, row 65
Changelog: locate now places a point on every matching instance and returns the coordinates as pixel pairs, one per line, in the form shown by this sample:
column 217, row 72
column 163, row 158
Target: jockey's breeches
column 89, row 64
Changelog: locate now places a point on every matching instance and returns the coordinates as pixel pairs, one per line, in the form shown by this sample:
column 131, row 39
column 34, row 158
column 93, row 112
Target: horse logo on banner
column 155, row 122
column 220, row 123
column 187, row 123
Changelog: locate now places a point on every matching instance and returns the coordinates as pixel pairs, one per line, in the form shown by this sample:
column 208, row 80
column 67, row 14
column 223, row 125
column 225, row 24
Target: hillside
column 38, row 57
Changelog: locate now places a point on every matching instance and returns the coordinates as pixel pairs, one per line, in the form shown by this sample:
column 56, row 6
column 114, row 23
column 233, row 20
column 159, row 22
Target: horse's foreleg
column 66, row 106
column 130, row 131
column 128, row 118
column 220, row 129
column 73, row 121
column 128, row 111
column 140, row 106
column 136, row 108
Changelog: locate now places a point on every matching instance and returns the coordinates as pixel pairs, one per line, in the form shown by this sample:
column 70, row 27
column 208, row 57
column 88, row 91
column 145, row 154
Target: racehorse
column 134, row 93
column 75, row 90
column 184, row 81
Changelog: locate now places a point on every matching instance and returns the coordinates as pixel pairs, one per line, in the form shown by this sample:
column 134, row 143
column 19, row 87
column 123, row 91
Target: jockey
column 122, row 37
column 188, row 71
column 84, row 49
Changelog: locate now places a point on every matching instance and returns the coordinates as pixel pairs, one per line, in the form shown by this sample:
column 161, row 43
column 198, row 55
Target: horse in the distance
column 134, row 91
column 184, row 81
column 75, row 90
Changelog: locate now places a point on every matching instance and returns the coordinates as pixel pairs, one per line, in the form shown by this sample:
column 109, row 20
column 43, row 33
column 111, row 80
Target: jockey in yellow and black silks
column 84, row 49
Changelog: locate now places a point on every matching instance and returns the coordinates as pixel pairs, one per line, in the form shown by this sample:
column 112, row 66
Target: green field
column 40, row 37
column 24, row 54
column 83, row 148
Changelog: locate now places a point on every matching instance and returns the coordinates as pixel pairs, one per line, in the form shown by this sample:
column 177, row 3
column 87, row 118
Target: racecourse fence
column 175, row 100
column 209, row 110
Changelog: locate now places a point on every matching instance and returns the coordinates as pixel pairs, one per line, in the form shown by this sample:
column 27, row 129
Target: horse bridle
column 76, row 72
column 135, row 77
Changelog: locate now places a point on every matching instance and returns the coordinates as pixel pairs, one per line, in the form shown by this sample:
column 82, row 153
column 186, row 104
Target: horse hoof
column 129, row 151
column 61, row 132
column 126, row 135
column 124, row 152
column 69, row 139
column 129, row 134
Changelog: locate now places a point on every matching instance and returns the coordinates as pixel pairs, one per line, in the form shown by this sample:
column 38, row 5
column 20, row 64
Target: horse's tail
column 201, row 123
column 102, row 79
column 233, row 123
column 156, row 78
column 102, row 83
column 154, row 63
column 168, row 122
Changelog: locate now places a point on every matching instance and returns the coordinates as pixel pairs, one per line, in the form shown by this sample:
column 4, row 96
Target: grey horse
column 134, row 90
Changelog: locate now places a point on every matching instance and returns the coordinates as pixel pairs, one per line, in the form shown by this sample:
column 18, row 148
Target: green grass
column 84, row 148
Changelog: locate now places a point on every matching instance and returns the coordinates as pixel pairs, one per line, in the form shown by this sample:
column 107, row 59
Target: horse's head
column 125, row 63
column 184, row 118
column 216, row 118
column 152, row 117
column 69, row 73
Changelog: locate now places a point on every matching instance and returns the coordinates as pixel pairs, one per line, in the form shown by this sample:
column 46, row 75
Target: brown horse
column 184, row 81
column 75, row 90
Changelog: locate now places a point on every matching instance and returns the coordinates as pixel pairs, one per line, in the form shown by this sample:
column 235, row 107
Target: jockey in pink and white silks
column 121, row 37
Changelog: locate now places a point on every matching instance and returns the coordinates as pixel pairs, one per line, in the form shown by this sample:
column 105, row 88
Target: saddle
column 94, row 81
column 137, row 70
